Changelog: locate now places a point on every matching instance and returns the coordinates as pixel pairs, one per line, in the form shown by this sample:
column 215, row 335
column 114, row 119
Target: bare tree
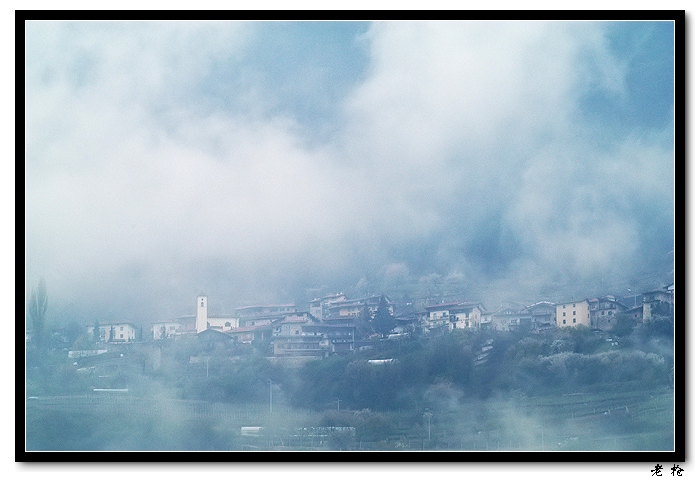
column 38, row 302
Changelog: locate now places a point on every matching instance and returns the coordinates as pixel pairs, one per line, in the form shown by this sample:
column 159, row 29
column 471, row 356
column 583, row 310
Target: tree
column 38, row 303
column 364, row 328
column 383, row 321
column 96, row 332
column 624, row 325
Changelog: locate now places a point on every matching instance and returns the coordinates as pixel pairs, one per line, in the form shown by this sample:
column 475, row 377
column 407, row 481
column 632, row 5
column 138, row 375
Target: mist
column 165, row 159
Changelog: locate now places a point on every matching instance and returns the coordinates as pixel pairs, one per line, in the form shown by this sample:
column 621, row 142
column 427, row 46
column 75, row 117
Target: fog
column 556, row 392
column 256, row 161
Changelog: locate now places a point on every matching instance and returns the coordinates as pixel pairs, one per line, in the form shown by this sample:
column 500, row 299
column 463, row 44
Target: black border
column 86, row 458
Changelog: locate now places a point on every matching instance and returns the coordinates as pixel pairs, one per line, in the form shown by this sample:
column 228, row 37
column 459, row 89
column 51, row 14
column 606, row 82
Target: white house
column 457, row 315
column 164, row 329
column 119, row 332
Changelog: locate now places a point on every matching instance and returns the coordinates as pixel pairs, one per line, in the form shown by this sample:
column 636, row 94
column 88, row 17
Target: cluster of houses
column 330, row 326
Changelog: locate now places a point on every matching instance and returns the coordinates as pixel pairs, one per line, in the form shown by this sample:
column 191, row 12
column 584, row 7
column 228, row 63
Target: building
column 184, row 325
column 318, row 306
column 636, row 313
column 573, row 314
column 662, row 300
column 438, row 315
column 508, row 319
column 258, row 311
column 115, row 332
column 250, row 334
column 348, row 309
column 604, row 310
column 466, row 316
column 165, row 329
column 297, row 335
column 259, row 321
column 222, row 322
column 455, row 315
column 252, row 316
column 206, row 321
column 543, row 315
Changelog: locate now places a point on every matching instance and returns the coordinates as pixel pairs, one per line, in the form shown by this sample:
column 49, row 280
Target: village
column 365, row 373
column 335, row 325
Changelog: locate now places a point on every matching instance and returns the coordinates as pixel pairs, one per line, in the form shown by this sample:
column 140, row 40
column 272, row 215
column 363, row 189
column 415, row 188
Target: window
column 563, row 322
column 121, row 328
column 609, row 312
column 574, row 320
column 563, row 314
column 574, row 305
column 202, row 305
column 574, row 312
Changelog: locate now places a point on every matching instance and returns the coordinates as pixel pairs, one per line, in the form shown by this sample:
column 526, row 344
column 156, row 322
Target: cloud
column 175, row 157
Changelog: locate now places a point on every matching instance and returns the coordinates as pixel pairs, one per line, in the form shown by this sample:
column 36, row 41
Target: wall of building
column 122, row 332
column 223, row 323
column 573, row 314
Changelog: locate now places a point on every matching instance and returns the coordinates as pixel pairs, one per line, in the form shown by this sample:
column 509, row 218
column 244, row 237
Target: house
column 222, row 322
column 164, row 329
column 636, row 313
column 298, row 336
column 255, row 311
column 573, row 314
column 542, row 315
column 290, row 324
column 259, row 321
column 658, row 300
column 604, row 310
column 341, row 338
column 250, row 334
column 454, row 315
column 318, row 306
column 188, row 325
column 407, row 323
column 438, row 315
column 115, row 332
column 313, row 346
column 508, row 319
column 466, row 316
column 344, row 309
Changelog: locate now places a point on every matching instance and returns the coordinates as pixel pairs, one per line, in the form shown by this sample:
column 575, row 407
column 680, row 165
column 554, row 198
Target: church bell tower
column 201, row 313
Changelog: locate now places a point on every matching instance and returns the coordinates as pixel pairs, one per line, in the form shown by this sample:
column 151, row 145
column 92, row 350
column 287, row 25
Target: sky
column 270, row 162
